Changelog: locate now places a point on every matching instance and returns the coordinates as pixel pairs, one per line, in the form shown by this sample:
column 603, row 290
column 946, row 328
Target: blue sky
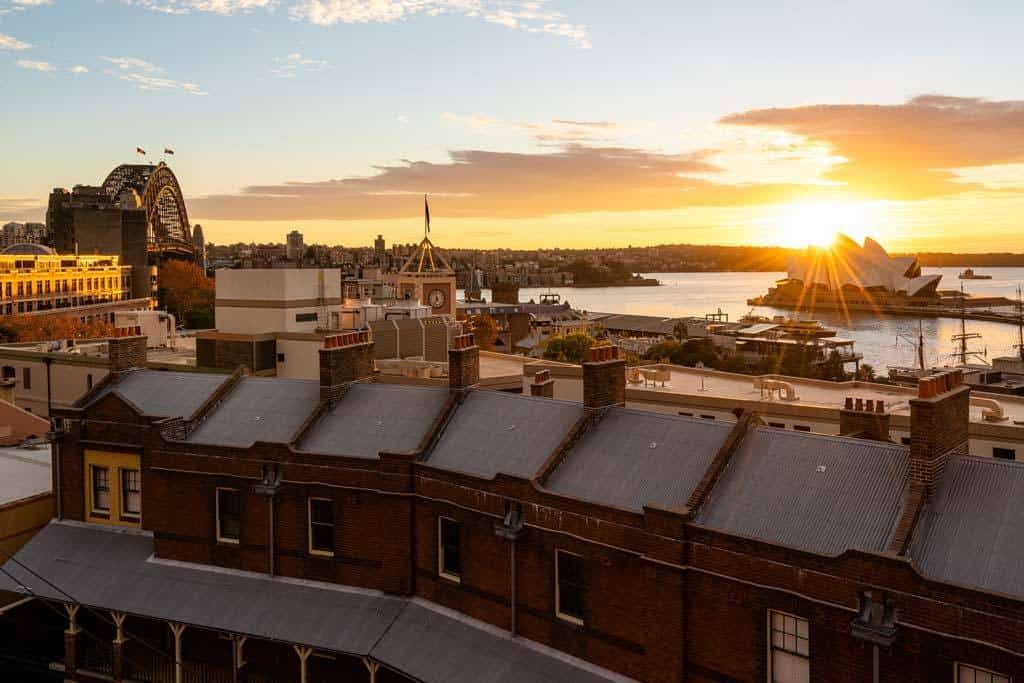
column 267, row 93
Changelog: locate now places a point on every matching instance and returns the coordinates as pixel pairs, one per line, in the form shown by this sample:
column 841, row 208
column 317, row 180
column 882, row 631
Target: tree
column 572, row 348
column 679, row 330
column 187, row 293
column 29, row 328
column 484, row 328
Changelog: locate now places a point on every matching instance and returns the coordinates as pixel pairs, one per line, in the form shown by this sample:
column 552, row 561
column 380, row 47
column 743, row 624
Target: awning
column 114, row 569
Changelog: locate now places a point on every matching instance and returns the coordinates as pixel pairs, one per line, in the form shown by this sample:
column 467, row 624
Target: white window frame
column 770, row 647
column 93, row 468
column 456, row 578
column 125, row 513
column 995, row 677
column 309, row 525
column 558, row 590
column 216, row 498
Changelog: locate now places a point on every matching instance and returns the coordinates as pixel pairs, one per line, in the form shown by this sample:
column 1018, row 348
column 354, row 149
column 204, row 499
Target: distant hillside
column 943, row 259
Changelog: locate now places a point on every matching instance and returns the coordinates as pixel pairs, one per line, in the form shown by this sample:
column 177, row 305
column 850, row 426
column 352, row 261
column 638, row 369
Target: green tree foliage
column 571, row 348
column 484, row 328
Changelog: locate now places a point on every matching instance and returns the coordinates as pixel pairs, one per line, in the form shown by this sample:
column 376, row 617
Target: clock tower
column 428, row 278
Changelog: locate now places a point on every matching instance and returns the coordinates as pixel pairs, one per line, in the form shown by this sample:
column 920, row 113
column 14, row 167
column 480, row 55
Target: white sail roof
column 848, row 264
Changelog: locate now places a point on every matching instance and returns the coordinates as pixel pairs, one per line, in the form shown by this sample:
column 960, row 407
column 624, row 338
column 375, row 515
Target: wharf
column 950, row 309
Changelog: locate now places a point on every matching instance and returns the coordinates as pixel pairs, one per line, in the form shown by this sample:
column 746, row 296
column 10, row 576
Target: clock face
column 437, row 298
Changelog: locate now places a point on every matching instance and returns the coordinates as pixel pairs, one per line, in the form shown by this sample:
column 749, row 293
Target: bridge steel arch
column 167, row 226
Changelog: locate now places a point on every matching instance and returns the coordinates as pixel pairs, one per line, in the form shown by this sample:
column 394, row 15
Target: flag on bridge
column 168, row 151
column 139, row 150
column 426, row 213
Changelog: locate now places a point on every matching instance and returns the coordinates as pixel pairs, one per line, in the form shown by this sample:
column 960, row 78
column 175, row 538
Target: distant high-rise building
column 200, row 245
column 379, row 248
column 24, row 233
column 295, row 246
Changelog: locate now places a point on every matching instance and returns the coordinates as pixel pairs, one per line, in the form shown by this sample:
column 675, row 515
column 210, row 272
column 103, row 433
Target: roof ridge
column 833, row 437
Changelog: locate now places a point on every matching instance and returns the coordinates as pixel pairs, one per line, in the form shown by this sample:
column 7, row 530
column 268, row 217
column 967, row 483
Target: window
column 100, row 489
column 801, row 428
column 305, row 317
column 972, row 674
column 229, row 515
column 788, row 649
column 131, row 493
column 280, row 358
column 1004, row 453
column 569, row 586
column 26, row 378
column 685, row 414
column 905, row 440
column 9, row 372
column 777, row 425
column 708, row 417
column 321, row 526
column 449, row 548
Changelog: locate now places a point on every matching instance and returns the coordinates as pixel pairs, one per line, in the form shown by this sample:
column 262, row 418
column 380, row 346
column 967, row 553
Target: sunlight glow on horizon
column 816, row 223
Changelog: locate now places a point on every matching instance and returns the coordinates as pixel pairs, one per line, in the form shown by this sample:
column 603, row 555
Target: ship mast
column 964, row 337
column 1020, row 324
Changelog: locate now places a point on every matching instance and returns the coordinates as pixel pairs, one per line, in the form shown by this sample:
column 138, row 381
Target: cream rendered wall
column 301, row 358
column 67, row 382
column 274, row 291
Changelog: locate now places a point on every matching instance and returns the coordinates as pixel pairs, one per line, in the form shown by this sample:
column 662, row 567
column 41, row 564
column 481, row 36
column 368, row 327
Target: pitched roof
column 259, row 409
column 160, row 393
column 376, row 417
column 972, row 531
column 111, row 569
column 632, row 458
column 494, row 432
column 819, row 493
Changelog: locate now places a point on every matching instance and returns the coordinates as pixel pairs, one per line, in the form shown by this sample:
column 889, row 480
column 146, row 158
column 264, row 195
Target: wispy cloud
column 21, row 209
column 79, row 69
column 147, row 76
column 534, row 16
column 12, row 43
column 34, row 65
column 286, row 67
column 215, row 6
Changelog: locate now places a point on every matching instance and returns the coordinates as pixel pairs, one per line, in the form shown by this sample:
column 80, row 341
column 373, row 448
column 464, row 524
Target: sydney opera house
column 847, row 274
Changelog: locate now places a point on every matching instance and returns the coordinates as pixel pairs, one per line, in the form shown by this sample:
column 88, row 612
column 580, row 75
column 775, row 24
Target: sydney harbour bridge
column 167, row 228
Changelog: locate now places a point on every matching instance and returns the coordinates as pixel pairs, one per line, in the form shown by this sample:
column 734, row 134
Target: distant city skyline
column 532, row 124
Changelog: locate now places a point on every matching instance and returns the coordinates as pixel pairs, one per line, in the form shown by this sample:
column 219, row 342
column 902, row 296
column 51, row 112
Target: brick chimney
column 463, row 362
column 542, row 384
column 126, row 349
column 939, row 419
column 344, row 359
column 604, row 378
column 505, row 293
column 865, row 419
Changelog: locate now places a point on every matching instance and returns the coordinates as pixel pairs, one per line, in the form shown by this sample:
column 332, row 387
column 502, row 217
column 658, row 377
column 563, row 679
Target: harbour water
column 877, row 337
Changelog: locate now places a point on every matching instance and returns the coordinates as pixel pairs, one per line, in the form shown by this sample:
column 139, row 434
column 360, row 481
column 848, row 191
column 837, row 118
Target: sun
column 816, row 223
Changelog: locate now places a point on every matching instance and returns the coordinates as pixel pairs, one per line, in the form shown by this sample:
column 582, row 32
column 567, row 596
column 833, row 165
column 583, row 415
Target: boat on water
column 969, row 274
column 792, row 327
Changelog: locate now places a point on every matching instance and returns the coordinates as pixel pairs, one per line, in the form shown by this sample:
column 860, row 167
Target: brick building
column 342, row 529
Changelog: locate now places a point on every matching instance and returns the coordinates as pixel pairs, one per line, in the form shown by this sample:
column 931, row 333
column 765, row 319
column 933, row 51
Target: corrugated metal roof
column 495, row 432
column 24, row 472
column 162, row 393
column 632, row 458
column 819, row 493
column 431, row 646
column 110, row 569
column 972, row 531
column 259, row 409
column 376, row 417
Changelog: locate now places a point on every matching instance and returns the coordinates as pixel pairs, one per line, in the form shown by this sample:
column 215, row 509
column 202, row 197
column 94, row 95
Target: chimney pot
column 869, row 405
column 848, row 403
column 858, row 404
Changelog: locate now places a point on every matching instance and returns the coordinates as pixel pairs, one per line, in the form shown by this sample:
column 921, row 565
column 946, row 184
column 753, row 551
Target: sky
column 532, row 123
